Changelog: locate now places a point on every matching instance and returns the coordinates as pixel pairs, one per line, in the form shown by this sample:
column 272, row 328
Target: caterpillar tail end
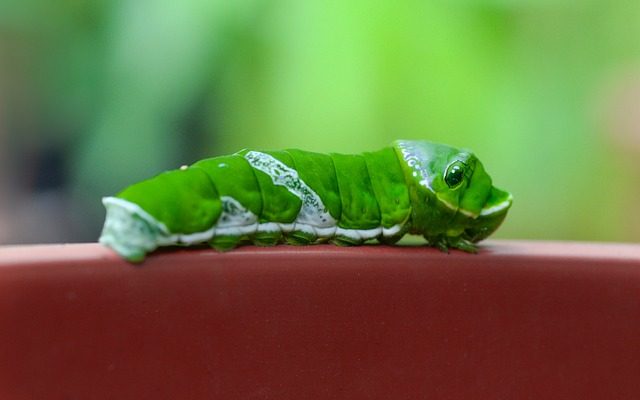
column 127, row 231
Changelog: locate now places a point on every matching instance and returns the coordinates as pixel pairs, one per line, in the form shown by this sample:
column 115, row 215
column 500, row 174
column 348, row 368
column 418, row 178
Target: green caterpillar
column 300, row 197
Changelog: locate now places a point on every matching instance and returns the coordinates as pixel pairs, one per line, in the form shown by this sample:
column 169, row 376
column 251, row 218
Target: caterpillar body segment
column 301, row 197
column 390, row 187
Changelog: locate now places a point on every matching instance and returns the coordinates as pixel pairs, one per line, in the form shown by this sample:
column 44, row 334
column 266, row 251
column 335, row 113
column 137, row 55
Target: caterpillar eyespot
column 300, row 197
column 455, row 174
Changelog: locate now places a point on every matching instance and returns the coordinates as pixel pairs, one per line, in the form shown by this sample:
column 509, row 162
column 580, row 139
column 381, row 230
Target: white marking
column 129, row 236
column 414, row 163
column 269, row 227
column 184, row 167
column 132, row 208
column 467, row 213
column 192, row 238
column 498, row 207
column 236, row 230
column 326, row 232
column 358, row 234
column 388, row 232
column 235, row 219
column 313, row 211
column 287, row 227
column 234, row 214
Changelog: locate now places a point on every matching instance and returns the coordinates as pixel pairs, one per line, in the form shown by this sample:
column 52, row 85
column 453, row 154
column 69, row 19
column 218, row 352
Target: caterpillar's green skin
column 300, row 197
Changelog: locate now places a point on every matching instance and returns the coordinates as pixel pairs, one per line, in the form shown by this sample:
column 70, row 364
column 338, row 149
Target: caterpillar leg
column 444, row 243
column 340, row 240
column 301, row 238
column 224, row 242
column 267, row 238
column 463, row 244
column 389, row 240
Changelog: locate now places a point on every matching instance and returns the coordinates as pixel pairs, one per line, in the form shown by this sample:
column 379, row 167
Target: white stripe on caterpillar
column 129, row 229
column 313, row 211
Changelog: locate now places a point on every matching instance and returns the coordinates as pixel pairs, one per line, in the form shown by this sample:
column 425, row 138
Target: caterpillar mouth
column 491, row 215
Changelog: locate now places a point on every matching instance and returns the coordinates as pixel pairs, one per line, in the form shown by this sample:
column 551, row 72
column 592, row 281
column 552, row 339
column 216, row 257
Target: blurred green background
column 95, row 95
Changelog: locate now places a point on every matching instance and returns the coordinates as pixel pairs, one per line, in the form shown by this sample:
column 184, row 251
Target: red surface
column 519, row 320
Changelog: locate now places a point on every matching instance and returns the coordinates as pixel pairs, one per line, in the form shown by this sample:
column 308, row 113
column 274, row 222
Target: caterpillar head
column 452, row 196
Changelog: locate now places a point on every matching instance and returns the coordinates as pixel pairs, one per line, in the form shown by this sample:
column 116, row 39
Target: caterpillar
column 301, row 197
